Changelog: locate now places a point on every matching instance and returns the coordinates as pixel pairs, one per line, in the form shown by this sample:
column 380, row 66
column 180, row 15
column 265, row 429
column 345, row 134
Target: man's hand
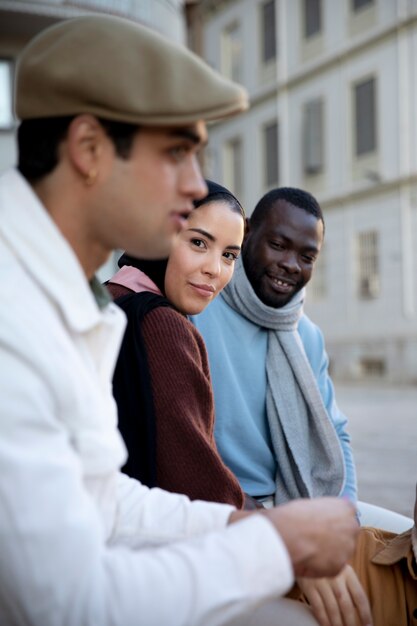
column 319, row 534
column 337, row 601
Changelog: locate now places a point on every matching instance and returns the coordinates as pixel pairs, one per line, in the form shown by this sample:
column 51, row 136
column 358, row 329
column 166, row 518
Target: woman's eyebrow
column 205, row 233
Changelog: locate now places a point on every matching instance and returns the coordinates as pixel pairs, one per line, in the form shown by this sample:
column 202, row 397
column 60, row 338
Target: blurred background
column 333, row 89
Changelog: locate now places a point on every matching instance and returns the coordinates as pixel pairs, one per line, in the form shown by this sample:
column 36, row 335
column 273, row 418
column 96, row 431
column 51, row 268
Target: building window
column 318, row 285
column 358, row 5
column 270, row 132
column 372, row 367
column 365, row 117
column 6, row 110
column 313, row 137
column 232, row 52
column 269, row 36
column 368, row 265
column 233, row 166
column 312, row 18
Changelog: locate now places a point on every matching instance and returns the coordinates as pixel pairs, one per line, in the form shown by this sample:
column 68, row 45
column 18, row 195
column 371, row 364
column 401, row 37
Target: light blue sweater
column 237, row 354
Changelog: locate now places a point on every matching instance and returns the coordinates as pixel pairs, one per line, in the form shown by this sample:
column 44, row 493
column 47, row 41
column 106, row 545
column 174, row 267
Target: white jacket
column 80, row 543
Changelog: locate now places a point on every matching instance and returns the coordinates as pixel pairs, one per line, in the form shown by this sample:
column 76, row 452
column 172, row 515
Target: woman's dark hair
column 216, row 193
column 38, row 142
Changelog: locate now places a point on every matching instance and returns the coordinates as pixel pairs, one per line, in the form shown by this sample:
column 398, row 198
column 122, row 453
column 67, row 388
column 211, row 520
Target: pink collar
column 134, row 279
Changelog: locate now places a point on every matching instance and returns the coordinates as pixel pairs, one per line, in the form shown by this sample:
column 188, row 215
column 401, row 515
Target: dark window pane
column 269, row 32
column 365, row 115
column 313, row 149
column 271, row 154
column 312, row 17
column 360, row 4
column 237, row 168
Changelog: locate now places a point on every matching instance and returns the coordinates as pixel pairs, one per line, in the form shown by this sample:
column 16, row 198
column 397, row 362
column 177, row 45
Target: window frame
column 233, row 167
column 368, row 264
column 319, row 285
column 231, row 59
column 9, row 119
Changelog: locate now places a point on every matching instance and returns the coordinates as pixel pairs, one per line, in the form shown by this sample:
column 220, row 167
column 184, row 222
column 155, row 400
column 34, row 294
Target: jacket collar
column 396, row 549
column 45, row 254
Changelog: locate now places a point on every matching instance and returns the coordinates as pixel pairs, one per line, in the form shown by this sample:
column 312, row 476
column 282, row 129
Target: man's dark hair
column 38, row 141
column 292, row 195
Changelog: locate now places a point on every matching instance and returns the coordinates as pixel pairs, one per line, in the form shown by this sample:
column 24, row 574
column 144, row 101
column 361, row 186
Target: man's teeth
column 281, row 283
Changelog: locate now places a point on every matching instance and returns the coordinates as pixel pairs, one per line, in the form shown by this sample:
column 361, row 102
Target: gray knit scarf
column 309, row 456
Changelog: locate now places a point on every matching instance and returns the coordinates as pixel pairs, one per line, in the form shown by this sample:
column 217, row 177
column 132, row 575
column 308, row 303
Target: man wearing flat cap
column 112, row 118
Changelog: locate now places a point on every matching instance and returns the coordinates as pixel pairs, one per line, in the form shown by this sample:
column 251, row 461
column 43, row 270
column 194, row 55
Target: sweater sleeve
column 187, row 458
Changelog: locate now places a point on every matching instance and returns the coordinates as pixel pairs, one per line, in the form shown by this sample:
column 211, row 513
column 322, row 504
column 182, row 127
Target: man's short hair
column 297, row 197
column 38, row 142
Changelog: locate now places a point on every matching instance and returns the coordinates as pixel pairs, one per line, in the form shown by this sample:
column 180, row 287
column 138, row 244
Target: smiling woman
column 202, row 259
column 162, row 382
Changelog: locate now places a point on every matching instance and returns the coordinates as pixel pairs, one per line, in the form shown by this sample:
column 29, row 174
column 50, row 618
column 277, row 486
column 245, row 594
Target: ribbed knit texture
column 187, row 457
column 179, row 421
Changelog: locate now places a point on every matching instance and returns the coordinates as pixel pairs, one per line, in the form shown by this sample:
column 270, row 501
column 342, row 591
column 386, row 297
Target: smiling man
column 278, row 427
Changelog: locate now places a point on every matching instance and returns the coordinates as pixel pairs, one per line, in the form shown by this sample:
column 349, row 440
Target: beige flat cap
column 119, row 70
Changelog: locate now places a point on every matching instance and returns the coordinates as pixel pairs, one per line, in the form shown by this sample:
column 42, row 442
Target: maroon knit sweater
column 187, row 458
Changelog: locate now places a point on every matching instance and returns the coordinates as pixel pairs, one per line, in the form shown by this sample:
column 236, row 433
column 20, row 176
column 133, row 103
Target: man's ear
column 85, row 145
column 247, row 228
